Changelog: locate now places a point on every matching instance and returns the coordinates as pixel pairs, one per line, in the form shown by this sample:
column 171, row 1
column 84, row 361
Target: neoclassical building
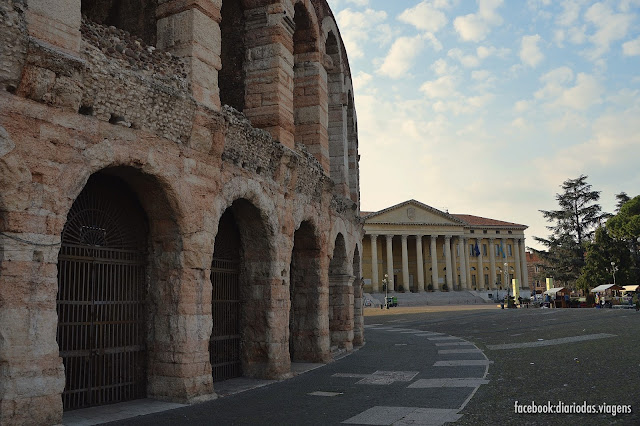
column 421, row 248
column 179, row 199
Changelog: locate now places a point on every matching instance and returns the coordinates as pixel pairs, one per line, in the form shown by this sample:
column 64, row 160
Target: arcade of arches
column 170, row 217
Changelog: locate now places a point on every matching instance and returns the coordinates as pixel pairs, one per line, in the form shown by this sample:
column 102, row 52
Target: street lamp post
column 614, row 268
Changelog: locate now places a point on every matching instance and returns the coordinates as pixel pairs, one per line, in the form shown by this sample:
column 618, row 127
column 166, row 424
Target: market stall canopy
column 555, row 290
column 632, row 288
column 605, row 287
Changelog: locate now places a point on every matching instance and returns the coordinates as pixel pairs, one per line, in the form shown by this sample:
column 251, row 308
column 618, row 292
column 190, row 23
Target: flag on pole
column 477, row 249
column 502, row 250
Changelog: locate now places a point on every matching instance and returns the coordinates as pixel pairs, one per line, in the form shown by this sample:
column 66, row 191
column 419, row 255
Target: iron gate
column 225, row 345
column 101, row 293
column 226, row 338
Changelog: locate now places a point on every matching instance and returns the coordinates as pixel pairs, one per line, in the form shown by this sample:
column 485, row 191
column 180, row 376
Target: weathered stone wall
column 107, row 102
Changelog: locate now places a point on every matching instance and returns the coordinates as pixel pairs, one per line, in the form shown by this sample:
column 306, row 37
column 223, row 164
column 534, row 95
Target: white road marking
column 551, row 342
column 462, row 363
column 470, row 382
column 381, row 415
column 321, row 393
column 458, row 351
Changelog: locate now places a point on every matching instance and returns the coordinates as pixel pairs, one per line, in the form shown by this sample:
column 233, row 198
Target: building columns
column 480, row 272
column 463, row 263
column 454, row 269
column 492, row 267
column 420, row 263
column 447, row 259
column 523, row 261
column 390, row 262
column 374, row 263
column 434, row 262
column 405, row 264
column 516, row 249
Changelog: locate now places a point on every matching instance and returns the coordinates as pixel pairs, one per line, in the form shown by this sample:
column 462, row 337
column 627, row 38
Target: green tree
column 622, row 198
column 626, row 226
column 599, row 255
column 573, row 225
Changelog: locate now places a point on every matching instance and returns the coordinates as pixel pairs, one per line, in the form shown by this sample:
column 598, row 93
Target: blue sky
column 485, row 107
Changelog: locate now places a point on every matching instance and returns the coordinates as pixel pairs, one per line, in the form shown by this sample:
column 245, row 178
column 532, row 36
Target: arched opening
column 224, row 346
column 138, row 17
column 240, row 272
column 340, row 298
column 337, row 120
column 231, row 78
column 304, row 287
column 102, row 289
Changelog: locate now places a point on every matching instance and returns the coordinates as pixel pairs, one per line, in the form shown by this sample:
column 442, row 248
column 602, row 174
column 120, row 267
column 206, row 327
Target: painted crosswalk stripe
column 458, row 351
column 468, row 382
column 462, row 363
column 381, row 415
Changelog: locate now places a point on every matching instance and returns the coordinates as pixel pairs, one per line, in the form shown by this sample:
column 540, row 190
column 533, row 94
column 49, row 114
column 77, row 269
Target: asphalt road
column 391, row 379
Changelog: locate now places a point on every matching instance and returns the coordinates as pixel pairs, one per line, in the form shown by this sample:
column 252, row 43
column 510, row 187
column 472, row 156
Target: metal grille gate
column 225, row 339
column 225, row 345
column 101, row 293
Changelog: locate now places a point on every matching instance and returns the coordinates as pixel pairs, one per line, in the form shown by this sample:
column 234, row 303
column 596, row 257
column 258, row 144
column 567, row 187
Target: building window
column 510, row 232
column 472, row 231
column 499, row 277
column 509, row 252
column 497, row 232
column 473, row 280
column 510, row 278
column 537, row 268
column 484, row 231
column 486, row 280
column 484, row 249
column 497, row 250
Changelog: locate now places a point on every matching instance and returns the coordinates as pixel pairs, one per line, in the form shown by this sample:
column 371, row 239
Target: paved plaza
column 436, row 365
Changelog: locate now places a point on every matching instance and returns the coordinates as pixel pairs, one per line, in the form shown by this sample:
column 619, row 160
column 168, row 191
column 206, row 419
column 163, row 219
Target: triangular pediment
column 412, row 212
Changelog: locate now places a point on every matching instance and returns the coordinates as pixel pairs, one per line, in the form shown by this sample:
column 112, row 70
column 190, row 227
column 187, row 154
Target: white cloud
column 361, row 80
column 401, row 56
column 481, row 75
column 522, row 106
column 469, row 61
column 486, row 51
column 530, row 53
column 570, row 12
column 443, row 87
column 441, row 67
column 632, row 47
column 610, row 26
column 357, row 28
column 425, row 16
column 476, row 26
column 520, row 123
column 558, row 92
column 586, row 92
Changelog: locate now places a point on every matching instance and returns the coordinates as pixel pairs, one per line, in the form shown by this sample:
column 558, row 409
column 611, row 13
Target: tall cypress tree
column 573, row 225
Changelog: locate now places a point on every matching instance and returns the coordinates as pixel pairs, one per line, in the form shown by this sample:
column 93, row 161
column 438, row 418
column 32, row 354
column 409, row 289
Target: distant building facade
column 421, row 248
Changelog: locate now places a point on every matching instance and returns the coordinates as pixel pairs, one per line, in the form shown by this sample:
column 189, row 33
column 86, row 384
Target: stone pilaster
column 523, row 261
column 341, row 311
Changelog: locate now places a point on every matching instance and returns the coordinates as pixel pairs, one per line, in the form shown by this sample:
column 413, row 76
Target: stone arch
column 308, row 339
column 138, row 17
column 309, row 85
column 352, row 150
column 161, row 281
column 231, row 77
column 340, row 297
column 337, row 112
column 255, row 216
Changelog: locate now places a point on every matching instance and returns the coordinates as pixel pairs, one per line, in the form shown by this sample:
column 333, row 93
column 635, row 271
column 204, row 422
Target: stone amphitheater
column 179, row 199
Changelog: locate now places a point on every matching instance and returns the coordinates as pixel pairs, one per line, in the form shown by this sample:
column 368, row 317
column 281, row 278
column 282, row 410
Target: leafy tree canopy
column 626, row 224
